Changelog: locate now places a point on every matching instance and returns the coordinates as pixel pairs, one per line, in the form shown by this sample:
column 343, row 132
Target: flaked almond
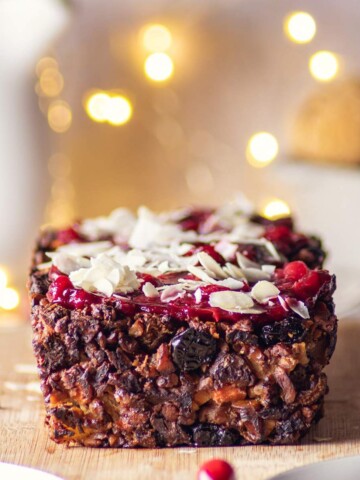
column 233, row 271
column 255, row 274
column 298, row 307
column 200, row 273
column 149, row 290
column 244, row 262
column 211, row 265
column 231, row 301
column 171, row 293
column 263, row 291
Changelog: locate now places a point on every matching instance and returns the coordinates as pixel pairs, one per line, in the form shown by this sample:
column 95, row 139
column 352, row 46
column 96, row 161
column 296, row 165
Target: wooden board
column 23, row 438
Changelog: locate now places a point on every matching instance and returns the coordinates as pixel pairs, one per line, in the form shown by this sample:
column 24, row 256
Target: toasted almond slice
column 171, row 293
column 149, row 290
column 263, row 291
column 211, row 265
column 233, row 271
column 255, row 275
column 298, row 307
column 231, row 301
column 104, row 286
column 244, row 262
column 200, row 273
column 272, row 250
column 231, row 283
column 268, row 268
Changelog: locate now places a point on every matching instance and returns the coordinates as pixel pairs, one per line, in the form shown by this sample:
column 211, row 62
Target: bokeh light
column 51, row 82
column 112, row 108
column 276, row 208
column 300, row 27
column 157, row 38
column 3, row 278
column 9, row 298
column 324, row 65
column 97, row 106
column 159, row 67
column 120, row 110
column 44, row 63
column 59, row 116
column 262, row 149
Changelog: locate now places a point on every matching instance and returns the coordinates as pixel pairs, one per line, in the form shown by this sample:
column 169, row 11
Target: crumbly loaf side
column 110, row 380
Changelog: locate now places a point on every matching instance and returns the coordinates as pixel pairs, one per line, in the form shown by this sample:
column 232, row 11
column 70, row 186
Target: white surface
column 347, row 468
column 15, row 472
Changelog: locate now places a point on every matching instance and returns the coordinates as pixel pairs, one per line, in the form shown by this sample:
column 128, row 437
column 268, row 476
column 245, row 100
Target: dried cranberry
column 192, row 348
column 216, row 469
column 210, row 435
column 290, row 330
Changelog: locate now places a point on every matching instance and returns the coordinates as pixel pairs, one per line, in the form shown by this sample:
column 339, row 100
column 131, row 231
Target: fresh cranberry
column 216, row 470
column 68, row 235
column 295, row 270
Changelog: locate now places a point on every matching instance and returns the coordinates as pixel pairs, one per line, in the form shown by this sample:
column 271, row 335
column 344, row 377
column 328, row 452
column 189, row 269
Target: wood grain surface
column 24, row 440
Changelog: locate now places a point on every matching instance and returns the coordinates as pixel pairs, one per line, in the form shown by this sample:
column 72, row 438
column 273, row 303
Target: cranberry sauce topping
column 196, row 219
column 63, row 292
column 68, row 235
column 295, row 280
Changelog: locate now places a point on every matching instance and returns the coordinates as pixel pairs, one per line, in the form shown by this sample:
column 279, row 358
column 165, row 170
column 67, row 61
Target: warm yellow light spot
column 120, row 110
column 59, row 116
column 300, row 27
column 97, row 106
column 45, row 62
column 276, row 209
column 112, row 108
column 9, row 299
column 157, row 38
column 324, row 65
column 262, row 149
column 3, row 278
column 51, row 82
column 159, row 67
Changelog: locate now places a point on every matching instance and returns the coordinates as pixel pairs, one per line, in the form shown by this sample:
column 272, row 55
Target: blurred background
column 107, row 104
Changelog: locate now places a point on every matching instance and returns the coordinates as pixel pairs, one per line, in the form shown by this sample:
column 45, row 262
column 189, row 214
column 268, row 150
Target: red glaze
column 68, row 235
column 195, row 220
column 295, row 280
column 63, row 292
column 216, row 469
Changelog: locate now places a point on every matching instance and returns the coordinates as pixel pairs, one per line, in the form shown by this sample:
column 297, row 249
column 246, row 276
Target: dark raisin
column 192, row 348
column 209, row 435
column 238, row 338
column 290, row 330
column 231, row 369
column 289, row 430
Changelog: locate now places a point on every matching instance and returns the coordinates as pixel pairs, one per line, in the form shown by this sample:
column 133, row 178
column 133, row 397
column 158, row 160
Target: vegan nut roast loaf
column 202, row 327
